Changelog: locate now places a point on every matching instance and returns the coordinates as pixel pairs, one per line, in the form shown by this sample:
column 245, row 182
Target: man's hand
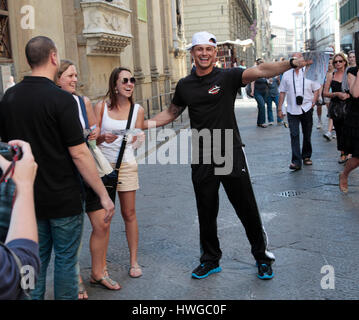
column 109, row 207
column 280, row 114
column 301, row 63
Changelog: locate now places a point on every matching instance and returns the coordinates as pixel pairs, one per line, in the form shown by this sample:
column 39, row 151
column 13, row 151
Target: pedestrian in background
column 351, row 59
column 273, row 96
column 260, row 91
column 329, row 135
column 302, row 95
column 337, row 82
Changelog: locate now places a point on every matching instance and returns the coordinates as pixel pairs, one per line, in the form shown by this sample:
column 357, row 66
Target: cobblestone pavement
column 312, row 228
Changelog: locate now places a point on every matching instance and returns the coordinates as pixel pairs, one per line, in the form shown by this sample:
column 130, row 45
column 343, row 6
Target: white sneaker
column 334, row 135
column 319, row 125
column 327, row 136
column 270, row 123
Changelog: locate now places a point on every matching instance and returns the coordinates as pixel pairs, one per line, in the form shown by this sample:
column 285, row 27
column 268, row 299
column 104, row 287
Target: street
column 312, row 228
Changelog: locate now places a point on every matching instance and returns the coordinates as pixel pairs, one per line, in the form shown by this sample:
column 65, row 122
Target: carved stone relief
column 107, row 27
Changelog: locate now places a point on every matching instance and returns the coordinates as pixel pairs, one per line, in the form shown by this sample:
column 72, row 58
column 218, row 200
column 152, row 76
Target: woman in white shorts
column 113, row 114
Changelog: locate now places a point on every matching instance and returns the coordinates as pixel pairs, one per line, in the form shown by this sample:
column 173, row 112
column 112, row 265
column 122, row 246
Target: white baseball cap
column 203, row 37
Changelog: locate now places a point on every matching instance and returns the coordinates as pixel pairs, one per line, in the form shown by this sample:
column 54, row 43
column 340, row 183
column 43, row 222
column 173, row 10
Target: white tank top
column 111, row 150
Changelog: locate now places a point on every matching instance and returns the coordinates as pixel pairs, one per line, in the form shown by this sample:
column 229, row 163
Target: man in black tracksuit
column 210, row 94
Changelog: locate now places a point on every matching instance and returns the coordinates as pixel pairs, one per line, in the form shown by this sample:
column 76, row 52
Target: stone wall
column 99, row 36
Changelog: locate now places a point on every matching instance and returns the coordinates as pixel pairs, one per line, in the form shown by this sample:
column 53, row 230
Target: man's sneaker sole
column 216, row 270
column 265, row 277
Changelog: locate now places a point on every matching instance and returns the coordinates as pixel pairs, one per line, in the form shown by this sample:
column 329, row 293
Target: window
column 5, row 48
column 348, row 11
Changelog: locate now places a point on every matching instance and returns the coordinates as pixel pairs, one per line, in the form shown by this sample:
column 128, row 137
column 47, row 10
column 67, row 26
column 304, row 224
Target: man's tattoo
column 176, row 110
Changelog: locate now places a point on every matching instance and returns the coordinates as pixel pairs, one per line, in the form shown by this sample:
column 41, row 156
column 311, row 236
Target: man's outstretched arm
column 271, row 69
column 164, row 117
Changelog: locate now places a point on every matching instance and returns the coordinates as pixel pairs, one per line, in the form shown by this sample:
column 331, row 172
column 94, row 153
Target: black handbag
column 111, row 180
column 338, row 109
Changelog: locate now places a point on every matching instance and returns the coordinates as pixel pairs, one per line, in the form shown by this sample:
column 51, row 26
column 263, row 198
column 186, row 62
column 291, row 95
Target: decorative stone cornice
column 107, row 27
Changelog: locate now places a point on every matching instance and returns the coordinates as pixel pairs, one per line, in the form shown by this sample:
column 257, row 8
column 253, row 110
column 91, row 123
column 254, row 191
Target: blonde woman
column 67, row 80
column 337, row 82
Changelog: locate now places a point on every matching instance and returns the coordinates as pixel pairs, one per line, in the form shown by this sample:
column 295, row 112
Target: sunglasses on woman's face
column 338, row 61
column 126, row 80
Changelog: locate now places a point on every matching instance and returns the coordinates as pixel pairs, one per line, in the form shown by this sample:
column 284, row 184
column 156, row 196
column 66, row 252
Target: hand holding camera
column 24, row 171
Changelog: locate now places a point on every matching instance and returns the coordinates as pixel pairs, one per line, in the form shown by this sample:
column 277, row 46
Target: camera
column 9, row 152
column 299, row 100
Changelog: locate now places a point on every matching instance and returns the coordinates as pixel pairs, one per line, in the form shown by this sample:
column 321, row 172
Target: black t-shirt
column 210, row 100
column 37, row 111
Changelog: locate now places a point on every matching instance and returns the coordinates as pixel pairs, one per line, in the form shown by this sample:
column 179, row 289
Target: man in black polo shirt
column 37, row 111
column 210, row 94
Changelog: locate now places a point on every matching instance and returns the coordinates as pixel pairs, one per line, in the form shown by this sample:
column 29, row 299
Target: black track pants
column 240, row 193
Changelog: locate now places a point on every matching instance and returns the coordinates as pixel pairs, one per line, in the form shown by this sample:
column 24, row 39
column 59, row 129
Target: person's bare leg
column 319, row 114
column 128, row 211
column 98, row 246
column 350, row 165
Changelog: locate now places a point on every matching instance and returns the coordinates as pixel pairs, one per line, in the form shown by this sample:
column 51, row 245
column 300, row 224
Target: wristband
column 291, row 62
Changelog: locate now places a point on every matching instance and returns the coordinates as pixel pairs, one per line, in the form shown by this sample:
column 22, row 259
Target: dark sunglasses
column 126, row 80
column 338, row 61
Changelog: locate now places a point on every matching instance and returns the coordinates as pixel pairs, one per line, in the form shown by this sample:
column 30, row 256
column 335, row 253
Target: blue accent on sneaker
column 265, row 271
column 215, row 270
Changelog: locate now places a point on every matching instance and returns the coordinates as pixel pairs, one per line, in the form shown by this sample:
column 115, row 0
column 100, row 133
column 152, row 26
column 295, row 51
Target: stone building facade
column 324, row 24
column 264, row 30
column 226, row 19
column 143, row 35
column 349, row 23
column 282, row 44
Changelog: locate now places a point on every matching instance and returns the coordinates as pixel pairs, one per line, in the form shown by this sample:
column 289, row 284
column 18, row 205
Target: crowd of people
column 62, row 129
column 337, row 93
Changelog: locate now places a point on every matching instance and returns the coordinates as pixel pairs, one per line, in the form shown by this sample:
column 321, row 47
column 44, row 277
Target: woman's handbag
column 338, row 109
column 102, row 164
column 111, row 180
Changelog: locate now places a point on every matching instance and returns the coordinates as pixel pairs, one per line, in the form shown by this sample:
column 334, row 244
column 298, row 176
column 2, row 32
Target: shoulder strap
column 84, row 112
column 102, row 111
column 124, row 140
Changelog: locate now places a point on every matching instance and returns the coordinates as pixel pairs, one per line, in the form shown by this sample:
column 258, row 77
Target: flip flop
column 100, row 282
column 138, row 268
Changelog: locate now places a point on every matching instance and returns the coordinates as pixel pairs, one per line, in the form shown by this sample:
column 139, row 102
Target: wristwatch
column 291, row 62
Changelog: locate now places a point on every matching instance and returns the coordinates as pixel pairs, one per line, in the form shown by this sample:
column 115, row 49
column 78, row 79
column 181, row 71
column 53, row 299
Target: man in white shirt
column 302, row 95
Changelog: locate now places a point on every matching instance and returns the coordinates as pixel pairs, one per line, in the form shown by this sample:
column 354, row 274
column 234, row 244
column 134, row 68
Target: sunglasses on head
column 338, row 61
column 126, row 80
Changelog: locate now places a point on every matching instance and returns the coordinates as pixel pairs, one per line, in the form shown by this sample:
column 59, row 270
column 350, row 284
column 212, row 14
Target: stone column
column 137, row 61
column 166, row 27
column 155, row 75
